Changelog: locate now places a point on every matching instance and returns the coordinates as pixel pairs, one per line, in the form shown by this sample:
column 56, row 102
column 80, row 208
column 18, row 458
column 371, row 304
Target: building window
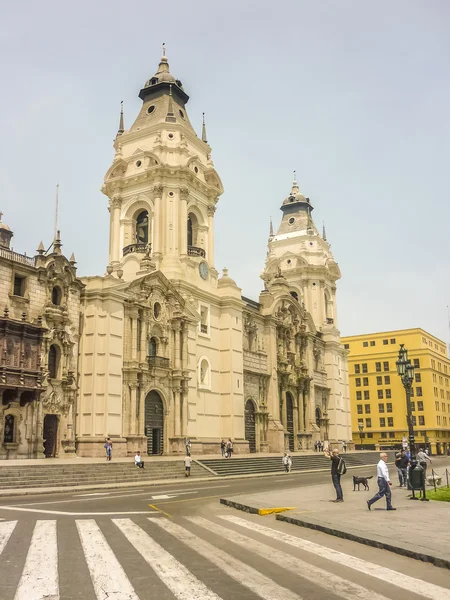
column 433, row 363
column 357, row 369
column 372, row 343
column 379, row 380
column 19, row 285
column 385, row 342
column 365, row 381
column 392, row 434
column 382, row 422
column 359, row 409
column 53, row 361
column 369, row 434
column 436, row 405
column 364, row 368
column 386, row 366
column 204, row 319
column 365, row 344
column 358, row 395
column 390, row 421
column 418, row 391
column 420, row 405
column 358, row 381
column 56, row 295
column 142, row 228
column 418, row 377
column 389, row 407
column 387, row 380
column 367, row 409
column 392, row 340
column 443, row 407
column 378, row 367
column 8, row 434
column 381, row 408
column 384, row 434
column 380, row 394
column 157, row 310
column 368, row 423
column 153, row 347
column 346, row 346
column 416, row 363
column 421, row 420
column 204, row 373
column 388, row 393
column 366, row 395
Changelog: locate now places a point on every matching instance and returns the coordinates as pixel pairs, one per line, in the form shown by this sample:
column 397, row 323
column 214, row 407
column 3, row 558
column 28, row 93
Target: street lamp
column 360, row 428
column 406, row 371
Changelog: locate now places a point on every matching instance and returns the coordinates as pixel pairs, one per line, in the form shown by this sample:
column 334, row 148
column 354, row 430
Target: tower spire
column 56, row 212
column 271, row 229
column 121, row 127
column 295, row 188
column 204, row 138
column 324, row 234
column 170, row 117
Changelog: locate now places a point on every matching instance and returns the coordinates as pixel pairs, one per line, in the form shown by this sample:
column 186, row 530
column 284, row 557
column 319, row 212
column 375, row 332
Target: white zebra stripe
column 6, row 530
column 333, row 583
column 40, row 574
column 107, row 575
column 181, row 582
column 417, row 586
column 240, row 572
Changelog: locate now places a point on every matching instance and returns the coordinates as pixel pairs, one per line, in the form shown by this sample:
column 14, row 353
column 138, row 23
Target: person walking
column 398, row 464
column 384, row 484
column 229, row 449
column 423, row 458
column 404, row 464
column 344, row 446
column 287, row 462
column 187, row 465
column 138, row 462
column 337, row 469
column 108, row 448
column 222, row 448
column 188, row 447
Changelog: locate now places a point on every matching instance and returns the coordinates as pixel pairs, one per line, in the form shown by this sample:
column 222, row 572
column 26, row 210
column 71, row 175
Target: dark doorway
column 50, row 435
column 154, row 423
column 290, row 420
column 250, row 432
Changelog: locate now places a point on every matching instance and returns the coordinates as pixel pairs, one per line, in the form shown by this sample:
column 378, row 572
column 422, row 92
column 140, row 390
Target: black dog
column 357, row 481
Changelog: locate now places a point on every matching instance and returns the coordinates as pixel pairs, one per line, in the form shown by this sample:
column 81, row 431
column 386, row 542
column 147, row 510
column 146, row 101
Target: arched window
column 142, row 228
column 192, row 229
column 294, row 295
column 152, row 347
column 56, row 295
column 8, row 435
column 318, row 416
column 190, row 234
column 53, row 361
column 204, row 373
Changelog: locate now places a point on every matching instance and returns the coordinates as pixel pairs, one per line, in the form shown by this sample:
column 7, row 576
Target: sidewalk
column 417, row 529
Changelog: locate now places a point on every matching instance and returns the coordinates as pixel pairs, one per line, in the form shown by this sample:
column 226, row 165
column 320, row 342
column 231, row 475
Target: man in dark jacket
column 335, row 475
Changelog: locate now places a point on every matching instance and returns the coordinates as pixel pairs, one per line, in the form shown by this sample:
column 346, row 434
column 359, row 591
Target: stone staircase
column 272, row 464
column 66, row 475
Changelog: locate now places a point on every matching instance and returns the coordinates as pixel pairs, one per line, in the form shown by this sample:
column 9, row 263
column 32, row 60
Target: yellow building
column 377, row 396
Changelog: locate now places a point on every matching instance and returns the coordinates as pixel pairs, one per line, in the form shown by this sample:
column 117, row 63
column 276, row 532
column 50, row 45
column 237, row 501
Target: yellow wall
column 432, row 381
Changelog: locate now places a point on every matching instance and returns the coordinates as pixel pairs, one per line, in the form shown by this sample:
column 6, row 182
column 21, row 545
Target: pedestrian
column 398, row 464
column 287, row 462
column 338, row 468
column 384, row 483
column 138, row 461
column 187, row 465
column 188, row 447
column 108, row 448
column 422, row 459
column 222, row 448
column 427, row 451
column 229, row 448
column 404, row 466
column 344, row 446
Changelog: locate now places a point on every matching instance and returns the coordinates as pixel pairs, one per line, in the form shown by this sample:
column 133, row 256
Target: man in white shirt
column 384, row 484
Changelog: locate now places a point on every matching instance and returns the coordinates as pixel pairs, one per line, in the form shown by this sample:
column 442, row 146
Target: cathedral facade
column 162, row 348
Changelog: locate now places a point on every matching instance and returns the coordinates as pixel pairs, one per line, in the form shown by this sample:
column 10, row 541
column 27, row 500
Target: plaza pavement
column 416, row 529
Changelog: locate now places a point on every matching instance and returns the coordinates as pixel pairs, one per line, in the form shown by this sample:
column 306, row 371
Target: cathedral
column 163, row 347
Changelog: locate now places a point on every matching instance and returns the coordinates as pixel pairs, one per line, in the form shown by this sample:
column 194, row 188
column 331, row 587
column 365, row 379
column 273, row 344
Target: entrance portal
column 250, row 433
column 50, row 435
column 154, row 423
column 290, row 420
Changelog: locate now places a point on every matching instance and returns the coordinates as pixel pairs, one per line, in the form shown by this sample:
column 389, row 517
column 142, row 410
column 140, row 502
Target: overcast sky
column 354, row 95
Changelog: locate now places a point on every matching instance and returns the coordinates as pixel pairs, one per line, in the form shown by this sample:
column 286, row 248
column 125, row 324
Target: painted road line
column 161, row 511
column 6, row 530
column 180, row 581
column 107, row 575
column 75, row 514
column 252, row 579
column 333, row 583
column 40, row 573
column 417, row 586
column 103, row 493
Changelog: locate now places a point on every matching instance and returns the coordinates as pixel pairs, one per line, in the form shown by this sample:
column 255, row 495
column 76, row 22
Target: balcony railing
column 16, row 257
column 330, row 321
column 159, row 361
column 141, row 248
column 194, row 251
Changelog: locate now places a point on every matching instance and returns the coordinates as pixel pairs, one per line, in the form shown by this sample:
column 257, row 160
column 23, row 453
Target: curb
column 255, row 511
column 435, row 560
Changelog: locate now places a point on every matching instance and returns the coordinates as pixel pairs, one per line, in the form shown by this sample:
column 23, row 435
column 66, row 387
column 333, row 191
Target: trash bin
column 416, row 476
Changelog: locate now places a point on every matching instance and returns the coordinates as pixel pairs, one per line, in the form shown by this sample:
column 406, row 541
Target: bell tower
column 162, row 189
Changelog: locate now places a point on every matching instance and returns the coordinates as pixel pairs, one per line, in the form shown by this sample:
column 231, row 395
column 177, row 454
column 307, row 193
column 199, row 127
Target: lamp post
column 360, row 429
column 406, row 371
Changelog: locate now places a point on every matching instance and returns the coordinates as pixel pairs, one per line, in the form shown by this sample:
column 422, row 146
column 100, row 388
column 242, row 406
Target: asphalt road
column 177, row 541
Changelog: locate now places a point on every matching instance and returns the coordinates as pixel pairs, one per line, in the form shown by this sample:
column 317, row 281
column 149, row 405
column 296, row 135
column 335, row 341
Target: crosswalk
column 194, row 558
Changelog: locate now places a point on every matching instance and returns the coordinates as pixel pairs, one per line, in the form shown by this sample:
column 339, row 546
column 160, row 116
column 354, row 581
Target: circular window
column 170, row 136
column 138, row 163
column 157, row 310
column 171, row 194
column 291, row 220
column 150, row 109
column 181, row 114
column 196, row 169
column 289, row 261
column 310, row 243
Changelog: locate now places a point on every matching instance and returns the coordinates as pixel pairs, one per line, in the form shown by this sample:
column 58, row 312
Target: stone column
column 177, row 328
column 184, row 195
column 301, row 418
column 132, row 429
column 210, row 255
column 115, row 204
column 134, row 318
column 177, row 413
column 144, row 334
column 158, row 233
column 284, row 406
